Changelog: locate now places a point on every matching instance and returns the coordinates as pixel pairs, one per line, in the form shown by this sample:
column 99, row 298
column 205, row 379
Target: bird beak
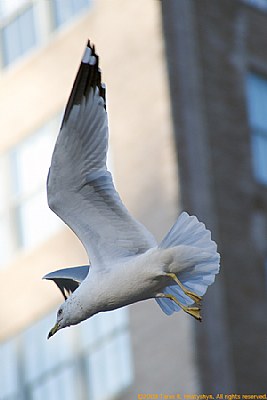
column 53, row 330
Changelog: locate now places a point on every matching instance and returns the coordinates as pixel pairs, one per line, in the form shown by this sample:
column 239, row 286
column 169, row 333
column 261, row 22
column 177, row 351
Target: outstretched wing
column 80, row 189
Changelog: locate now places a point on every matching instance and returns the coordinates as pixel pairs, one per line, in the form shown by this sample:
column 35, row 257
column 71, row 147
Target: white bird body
column 140, row 278
column 126, row 264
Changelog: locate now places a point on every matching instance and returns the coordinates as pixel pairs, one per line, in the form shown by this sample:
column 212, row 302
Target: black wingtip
column 88, row 78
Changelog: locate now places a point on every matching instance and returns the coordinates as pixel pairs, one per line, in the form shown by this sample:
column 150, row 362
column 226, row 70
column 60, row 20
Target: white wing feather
column 80, row 189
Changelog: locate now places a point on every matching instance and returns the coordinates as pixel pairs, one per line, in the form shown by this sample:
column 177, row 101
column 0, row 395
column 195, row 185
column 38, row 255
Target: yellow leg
column 194, row 311
column 197, row 299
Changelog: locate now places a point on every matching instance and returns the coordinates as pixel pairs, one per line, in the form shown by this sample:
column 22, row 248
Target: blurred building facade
column 114, row 355
column 217, row 61
column 213, row 55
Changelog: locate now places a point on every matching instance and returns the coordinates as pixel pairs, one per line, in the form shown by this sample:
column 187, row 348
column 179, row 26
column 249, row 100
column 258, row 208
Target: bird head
column 67, row 315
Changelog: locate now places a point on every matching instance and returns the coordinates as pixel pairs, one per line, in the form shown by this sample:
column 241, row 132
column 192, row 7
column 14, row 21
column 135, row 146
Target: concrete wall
column 212, row 45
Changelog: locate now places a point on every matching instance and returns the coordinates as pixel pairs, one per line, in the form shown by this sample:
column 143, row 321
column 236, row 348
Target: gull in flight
column 126, row 263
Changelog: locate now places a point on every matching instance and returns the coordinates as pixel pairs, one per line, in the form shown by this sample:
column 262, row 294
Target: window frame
column 74, row 13
column 6, row 21
column 68, row 352
column 15, row 200
column 44, row 21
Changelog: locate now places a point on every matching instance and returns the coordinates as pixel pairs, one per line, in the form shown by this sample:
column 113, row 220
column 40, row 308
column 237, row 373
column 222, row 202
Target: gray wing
column 80, row 189
column 68, row 279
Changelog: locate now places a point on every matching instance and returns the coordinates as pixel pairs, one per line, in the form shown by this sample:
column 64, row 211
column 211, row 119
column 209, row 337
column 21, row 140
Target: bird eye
column 59, row 312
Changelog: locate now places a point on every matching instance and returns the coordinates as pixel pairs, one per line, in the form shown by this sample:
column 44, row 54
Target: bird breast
column 138, row 278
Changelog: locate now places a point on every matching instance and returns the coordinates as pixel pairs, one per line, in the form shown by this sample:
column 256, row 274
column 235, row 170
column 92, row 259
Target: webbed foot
column 197, row 299
column 193, row 311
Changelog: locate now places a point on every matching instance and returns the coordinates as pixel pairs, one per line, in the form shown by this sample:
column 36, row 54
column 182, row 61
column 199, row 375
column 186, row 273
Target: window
column 91, row 360
column 64, row 10
column 18, row 33
column 5, row 225
column 257, row 100
column 257, row 3
column 25, row 219
column 11, row 6
column 24, row 24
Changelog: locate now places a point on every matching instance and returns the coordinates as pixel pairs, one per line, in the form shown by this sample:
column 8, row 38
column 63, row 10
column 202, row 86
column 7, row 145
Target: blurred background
column 187, row 97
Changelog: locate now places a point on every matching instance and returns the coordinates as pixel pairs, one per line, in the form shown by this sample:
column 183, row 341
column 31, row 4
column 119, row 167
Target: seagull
column 127, row 265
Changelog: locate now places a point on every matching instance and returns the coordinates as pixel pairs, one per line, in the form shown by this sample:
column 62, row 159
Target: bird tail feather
column 195, row 261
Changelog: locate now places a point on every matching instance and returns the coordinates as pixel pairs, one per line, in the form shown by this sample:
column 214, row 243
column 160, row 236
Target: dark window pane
column 10, row 42
column 64, row 10
column 257, row 3
column 27, row 30
column 18, row 36
column 259, row 149
column 257, row 99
